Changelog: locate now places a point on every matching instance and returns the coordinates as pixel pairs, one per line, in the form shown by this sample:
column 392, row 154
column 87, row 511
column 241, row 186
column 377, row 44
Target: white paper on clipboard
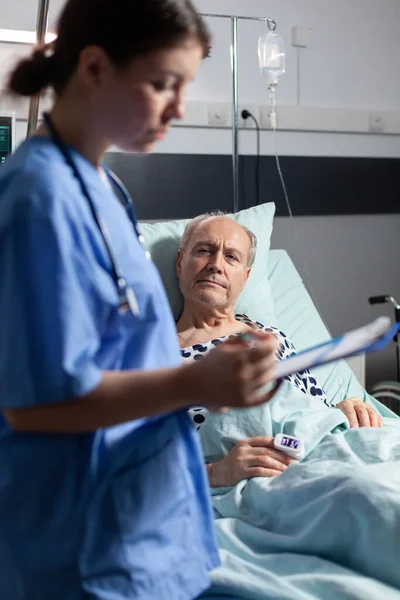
column 353, row 342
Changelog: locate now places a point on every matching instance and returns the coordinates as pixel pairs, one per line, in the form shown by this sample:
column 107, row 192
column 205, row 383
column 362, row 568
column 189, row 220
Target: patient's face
column 213, row 267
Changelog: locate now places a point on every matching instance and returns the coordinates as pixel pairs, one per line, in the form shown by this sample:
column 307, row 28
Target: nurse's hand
column 231, row 375
column 254, row 457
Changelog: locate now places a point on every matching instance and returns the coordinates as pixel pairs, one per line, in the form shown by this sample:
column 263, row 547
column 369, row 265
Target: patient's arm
column 359, row 413
column 254, row 457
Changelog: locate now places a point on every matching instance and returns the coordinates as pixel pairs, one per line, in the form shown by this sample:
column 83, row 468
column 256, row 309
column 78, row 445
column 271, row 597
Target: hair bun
column 33, row 74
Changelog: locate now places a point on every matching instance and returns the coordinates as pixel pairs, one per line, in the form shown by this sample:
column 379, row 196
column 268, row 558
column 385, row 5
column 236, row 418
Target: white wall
column 351, row 63
column 22, row 14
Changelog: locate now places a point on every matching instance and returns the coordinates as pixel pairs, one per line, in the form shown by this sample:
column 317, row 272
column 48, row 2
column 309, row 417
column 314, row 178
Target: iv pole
column 235, row 93
column 41, row 29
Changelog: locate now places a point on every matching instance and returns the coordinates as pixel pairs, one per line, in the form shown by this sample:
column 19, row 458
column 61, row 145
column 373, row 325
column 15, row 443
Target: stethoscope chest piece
column 127, row 299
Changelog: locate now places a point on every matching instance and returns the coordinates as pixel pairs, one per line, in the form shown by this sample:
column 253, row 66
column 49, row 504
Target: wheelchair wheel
column 388, row 392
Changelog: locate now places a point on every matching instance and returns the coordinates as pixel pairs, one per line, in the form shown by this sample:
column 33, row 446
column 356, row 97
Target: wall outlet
column 249, row 122
column 376, row 122
column 301, row 35
column 218, row 114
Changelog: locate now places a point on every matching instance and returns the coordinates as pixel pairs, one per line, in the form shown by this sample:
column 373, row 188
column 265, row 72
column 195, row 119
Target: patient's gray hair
column 193, row 223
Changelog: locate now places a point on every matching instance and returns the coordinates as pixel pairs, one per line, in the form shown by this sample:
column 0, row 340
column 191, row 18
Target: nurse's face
column 140, row 101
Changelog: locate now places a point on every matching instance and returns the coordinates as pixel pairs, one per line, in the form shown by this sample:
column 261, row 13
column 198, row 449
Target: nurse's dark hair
column 123, row 28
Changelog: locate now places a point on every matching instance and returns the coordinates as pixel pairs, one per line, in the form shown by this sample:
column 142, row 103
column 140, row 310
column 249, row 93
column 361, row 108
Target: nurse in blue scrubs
column 103, row 493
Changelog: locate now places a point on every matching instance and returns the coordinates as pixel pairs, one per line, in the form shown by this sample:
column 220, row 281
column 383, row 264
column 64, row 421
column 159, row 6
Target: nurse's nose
column 178, row 106
column 180, row 111
column 174, row 110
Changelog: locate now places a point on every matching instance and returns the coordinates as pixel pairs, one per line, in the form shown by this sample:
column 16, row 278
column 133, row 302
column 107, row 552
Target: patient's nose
column 213, row 269
column 215, row 263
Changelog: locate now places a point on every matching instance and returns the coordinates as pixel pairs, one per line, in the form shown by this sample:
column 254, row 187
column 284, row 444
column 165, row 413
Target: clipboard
column 370, row 338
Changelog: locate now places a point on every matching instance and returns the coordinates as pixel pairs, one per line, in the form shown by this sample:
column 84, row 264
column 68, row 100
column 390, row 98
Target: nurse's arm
column 231, row 375
column 121, row 396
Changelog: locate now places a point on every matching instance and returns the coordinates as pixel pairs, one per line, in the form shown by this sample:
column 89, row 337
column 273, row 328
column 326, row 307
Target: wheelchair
column 388, row 392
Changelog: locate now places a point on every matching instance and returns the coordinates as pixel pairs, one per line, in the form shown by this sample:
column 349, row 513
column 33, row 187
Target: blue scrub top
column 119, row 513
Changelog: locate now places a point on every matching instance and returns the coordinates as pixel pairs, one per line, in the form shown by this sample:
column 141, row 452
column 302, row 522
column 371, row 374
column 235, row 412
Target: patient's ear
column 178, row 263
column 248, row 273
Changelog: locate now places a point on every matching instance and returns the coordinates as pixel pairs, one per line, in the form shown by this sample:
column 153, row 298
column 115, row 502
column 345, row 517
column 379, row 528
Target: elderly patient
column 214, row 261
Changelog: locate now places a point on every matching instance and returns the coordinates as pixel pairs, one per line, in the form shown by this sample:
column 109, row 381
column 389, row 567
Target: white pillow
column 162, row 239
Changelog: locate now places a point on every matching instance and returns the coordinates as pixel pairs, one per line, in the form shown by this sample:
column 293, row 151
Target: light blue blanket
column 327, row 528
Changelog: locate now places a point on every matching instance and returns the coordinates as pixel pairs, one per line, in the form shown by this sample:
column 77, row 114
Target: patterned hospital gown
column 304, row 381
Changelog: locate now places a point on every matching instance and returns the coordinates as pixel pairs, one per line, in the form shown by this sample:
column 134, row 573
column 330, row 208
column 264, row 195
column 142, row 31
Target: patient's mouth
column 211, row 282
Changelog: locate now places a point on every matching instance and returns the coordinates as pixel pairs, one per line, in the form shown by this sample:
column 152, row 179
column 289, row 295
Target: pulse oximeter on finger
column 290, row 445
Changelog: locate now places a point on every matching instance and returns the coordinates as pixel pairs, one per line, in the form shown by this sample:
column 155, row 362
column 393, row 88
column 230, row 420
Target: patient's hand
column 359, row 413
column 254, row 457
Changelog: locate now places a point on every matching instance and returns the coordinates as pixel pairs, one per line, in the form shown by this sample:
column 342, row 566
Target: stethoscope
column 126, row 295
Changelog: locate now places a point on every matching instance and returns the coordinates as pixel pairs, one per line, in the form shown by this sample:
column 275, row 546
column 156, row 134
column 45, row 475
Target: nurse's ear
column 179, row 257
column 94, row 67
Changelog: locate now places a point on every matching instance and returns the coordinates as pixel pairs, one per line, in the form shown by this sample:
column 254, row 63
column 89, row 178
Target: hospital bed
column 260, row 563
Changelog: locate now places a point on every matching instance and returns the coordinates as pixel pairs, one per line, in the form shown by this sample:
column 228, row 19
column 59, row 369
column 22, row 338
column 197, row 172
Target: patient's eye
column 231, row 257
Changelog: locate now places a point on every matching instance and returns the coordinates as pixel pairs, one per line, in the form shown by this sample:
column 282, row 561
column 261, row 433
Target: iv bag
column 271, row 56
